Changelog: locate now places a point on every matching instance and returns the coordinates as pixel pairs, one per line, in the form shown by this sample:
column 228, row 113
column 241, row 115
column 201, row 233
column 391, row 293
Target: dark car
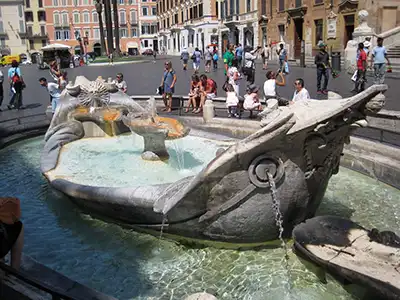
column 148, row 52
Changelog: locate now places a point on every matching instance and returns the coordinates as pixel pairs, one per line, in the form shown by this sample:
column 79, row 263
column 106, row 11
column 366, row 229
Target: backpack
column 16, row 78
column 215, row 56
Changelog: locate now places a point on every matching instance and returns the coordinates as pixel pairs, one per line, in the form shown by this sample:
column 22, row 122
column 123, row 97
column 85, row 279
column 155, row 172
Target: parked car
column 147, row 52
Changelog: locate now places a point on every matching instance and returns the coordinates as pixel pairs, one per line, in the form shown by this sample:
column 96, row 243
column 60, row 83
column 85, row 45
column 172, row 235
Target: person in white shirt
column 300, row 93
column 265, row 55
column 234, row 76
column 249, row 63
column 121, row 83
column 232, row 101
column 270, row 87
column 54, row 91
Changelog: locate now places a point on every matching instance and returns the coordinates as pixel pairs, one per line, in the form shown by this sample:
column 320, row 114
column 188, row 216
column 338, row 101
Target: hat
column 367, row 44
column 253, row 88
column 321, row 44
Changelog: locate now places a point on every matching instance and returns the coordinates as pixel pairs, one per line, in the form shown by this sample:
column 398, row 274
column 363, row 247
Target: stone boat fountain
column 230, row 199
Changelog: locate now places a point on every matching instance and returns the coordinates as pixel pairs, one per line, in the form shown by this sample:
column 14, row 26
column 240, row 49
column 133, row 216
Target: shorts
column 167, row 95
column 196, row 65
column 9, row 234
column 54, row 103
column 185, row 61
column 210, row 96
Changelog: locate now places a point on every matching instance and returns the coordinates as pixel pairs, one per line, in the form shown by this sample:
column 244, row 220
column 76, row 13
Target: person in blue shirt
column 16, row 86
column 239, row 54
column 168, row 83
column 379, row 56
column 282, row 57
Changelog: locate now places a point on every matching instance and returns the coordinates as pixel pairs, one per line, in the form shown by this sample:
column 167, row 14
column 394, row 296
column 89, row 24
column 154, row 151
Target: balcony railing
column 133, row 21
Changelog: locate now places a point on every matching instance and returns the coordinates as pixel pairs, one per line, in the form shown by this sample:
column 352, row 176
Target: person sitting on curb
column 121, row 83
column 208, row 91
column 300, row 93
column 12, row 230
column 251, row 100
column 194, row 94
column 270, row 87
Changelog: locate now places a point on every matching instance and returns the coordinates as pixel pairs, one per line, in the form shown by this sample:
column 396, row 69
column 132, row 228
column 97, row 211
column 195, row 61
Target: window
column 85, row 2
column 281, row 6
column 133, row 16
column 96, row 33
column 264, row 7
column 231, row 7
column 86, row 17
column 20, row 11
column 66, row 35
column 40, row 3
column 44, row 43
column 154, row 11
column 132, row 1
column 1, row 27
column 41, row 16
column 153, row 29
column 248, row 5
column 55, row 2
column 76, row 2
column 31, row 44
column 133, row 32
column 176, row 19
column 76, row 17
column 146, row 43
column 21, row 26
column 56, row 17
column 145, row 29
column 28, row 3
column 122, row 17
column 42, row 30
column 121, row 1
column 95, row 17
column 298, row 3
column 182, row 17
column 200, row 9
column 65, row 18
column 144, row 10
column 123, row 33
column 57, row 35
column 64, row 3
column 144, row 0
column 319, row 30
column 3, row 42
column 29, row 16
column 29, row 30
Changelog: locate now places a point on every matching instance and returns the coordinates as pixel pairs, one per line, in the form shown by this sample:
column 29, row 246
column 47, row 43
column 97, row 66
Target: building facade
column 383, row 14
column 293, row 21
column 35, row 18
column 65, row 17
column 148, row 24
column 12, row 28
column 187, row 24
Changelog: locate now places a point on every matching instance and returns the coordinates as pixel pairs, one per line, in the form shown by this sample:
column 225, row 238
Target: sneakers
column 319, row 92
column 325, row 92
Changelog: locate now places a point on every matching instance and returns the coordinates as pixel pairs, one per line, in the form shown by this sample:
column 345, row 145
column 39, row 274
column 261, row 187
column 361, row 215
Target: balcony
column 297, row 12
column 231, row 21
column 133, row 22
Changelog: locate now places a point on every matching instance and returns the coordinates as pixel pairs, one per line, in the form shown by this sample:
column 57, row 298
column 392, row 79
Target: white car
column 26, row 62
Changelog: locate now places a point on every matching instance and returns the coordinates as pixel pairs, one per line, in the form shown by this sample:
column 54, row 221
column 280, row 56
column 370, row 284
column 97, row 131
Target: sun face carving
column 94, row 93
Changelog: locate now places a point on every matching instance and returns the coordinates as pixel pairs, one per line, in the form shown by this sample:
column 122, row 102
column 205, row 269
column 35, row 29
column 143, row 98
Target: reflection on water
column 129, row 265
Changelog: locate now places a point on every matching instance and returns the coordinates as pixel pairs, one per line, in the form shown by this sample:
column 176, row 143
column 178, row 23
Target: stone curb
column 118, row 63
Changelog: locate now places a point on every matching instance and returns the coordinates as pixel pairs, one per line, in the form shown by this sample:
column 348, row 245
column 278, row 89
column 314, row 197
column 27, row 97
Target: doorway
column 298, row 37
column 155, row 45
column 225, row 42
column 248, row 38
column 97, row 49
column 348, row 29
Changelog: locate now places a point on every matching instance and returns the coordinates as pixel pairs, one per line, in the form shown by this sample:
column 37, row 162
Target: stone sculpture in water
column 230, row 200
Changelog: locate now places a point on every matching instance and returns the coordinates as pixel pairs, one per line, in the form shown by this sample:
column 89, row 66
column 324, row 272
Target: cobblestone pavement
column 143, row 79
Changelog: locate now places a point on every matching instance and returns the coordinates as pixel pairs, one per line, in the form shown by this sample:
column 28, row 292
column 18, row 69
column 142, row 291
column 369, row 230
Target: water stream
column 279, row 220
column 179, row 155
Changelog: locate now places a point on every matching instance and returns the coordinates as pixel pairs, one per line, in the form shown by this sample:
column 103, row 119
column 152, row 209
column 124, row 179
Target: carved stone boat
column 230, row 199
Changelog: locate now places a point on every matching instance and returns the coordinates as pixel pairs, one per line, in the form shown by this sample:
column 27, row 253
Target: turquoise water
column 117, row 161
column 129, row 265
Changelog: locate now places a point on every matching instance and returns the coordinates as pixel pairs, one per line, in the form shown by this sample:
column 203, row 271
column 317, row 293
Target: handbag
column 286, row 68
column 225, row 85
column 354, row 77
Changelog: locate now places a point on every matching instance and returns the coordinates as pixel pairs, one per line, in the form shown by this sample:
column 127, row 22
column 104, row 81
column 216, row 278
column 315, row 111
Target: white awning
column 55, row 47
column 132, row 45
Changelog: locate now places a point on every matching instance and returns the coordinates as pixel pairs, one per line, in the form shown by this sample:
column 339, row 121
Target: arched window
column 55, row 2
column 77, row 17
column 86, row 17
column 56, row 18
column 122, row 16
column 133, row 16
column 95, row 17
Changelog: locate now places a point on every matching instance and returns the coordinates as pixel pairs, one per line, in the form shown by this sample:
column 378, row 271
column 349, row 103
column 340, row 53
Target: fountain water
column 279, row 221
column 179, row 155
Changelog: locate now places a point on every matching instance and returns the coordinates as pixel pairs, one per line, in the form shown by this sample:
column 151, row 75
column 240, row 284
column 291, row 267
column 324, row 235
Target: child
column 231, row 101
column 251, row 100
column 215, row 60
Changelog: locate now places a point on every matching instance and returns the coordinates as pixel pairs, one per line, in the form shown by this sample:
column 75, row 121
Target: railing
column 391, row 37
column 55, row 295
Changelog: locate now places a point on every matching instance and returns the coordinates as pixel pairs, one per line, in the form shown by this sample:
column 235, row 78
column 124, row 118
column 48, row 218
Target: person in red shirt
column 361, row 69
column 208, row 90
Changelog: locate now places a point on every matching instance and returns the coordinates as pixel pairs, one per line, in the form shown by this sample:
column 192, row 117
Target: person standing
column 249, row 63
column 16, row 86
column 282, row 54
column 322, row 62
column 379, row 55
column 228, row 58
column 168, row 83
column 196, row 57
column 54, row 91
column 1, row 89
column 361, row 69
column 110, row 59
column 300, row 92
column 208, row 56
column 265, row 55
column 234, row 76
column 184, row 58
column 239, row 54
